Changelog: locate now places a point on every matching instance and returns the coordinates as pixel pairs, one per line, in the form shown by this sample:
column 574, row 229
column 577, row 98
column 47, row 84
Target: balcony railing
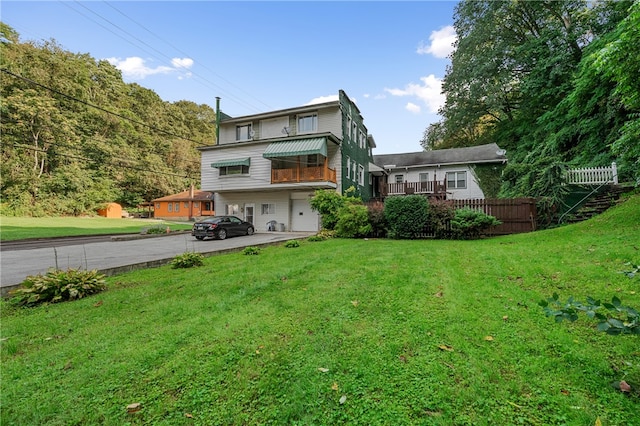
column 303, row 174
column 429, row 187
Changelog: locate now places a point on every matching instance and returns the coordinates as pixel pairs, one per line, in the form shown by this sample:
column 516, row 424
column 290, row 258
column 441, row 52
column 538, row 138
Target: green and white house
column 265, row 167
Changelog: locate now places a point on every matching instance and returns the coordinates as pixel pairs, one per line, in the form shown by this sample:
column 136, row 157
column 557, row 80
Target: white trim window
column 234, row 170
column 268, row 208
column 423, row 177
column 308, row 123
column 244, row 132
column 353, row 169
column 233, row 209
column 456, row 180
column 399, row 178
column 348, row 168
column 361, row 175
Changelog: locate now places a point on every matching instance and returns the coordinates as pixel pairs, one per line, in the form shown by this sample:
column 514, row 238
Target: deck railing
column 593, row 175
column 428, row 187
column 303, row 174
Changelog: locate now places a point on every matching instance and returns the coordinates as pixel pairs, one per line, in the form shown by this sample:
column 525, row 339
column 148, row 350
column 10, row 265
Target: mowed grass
column 20, row 228
column 357, row 332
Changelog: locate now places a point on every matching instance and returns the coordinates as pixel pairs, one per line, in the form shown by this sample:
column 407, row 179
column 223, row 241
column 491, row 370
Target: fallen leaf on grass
column 624, row 386
column 488, row 338
column 598, row 422
column 343, row 399
column 438, row 294
column 355, row 302
column 564, row 392
column 99, row 303
column 334, row 386
column 324, row 370
column 445, row 348
column 188, row 415
column 134, row 408
column 505, row 318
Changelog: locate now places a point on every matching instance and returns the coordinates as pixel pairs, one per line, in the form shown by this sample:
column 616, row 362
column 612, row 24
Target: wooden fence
column 593, row 175
column 517, row 215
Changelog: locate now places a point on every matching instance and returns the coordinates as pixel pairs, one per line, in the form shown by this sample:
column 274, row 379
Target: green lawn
column 357, row 332
column 20, row 228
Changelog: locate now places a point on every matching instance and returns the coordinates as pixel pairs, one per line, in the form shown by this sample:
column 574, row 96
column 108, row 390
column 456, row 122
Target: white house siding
column 472, row 191
column 330, row 120
column 284, row 202
column 259, row 171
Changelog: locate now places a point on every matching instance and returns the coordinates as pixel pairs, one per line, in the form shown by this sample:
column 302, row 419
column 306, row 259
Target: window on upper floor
column 314, row 160
column 348, row 167
column 456, row 180
column 244, row 132
column 308, row 123
column 234, row 170
column 361, row 175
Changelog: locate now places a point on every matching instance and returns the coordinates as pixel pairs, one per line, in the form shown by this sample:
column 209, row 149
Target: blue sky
column 389, row 57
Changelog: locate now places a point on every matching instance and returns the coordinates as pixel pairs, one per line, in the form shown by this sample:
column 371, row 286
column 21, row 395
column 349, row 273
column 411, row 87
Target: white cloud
column 411, row 107
column 441, row 43
column 322, row 99
column 136, row 68
column 429, row 92
column 182, row 62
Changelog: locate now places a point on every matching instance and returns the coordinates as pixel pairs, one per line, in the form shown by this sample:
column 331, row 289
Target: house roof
column 186, row 196
column 490, row 153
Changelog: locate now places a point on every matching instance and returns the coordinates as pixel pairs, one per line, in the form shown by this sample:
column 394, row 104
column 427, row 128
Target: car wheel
column 250, row 230
column 222, row 234
column 200, row 238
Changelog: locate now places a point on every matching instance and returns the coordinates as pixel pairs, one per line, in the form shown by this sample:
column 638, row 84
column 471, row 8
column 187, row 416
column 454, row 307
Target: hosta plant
column 292, row 244
column 248, row 251
column 187, row 260
column 59, row 285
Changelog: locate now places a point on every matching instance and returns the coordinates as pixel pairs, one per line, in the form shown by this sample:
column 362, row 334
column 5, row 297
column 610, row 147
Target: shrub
column 469, row 224
column 157, row 229
column 406, row 216
column 58, row 286
column 353, row 221
column 248, row 251
column 292, row 244
column 327, row 203
column 187, row 260
column 315, row 238
column 440, row 213
column 377, row 220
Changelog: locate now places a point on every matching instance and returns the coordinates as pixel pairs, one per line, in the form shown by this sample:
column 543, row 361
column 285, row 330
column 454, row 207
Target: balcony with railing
column 303, row 174
column 405, row 188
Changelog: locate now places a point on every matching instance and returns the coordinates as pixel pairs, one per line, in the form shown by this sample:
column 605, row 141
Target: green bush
column 327, row 203
column 59, row 286
column 292, row 244
column 406, row 216
column 155, row 230
column 353, row 221
column 440, row 213
column 249, row 251
column 468, row 224
column 377, row 220
column 187, row 260
column 315, row 238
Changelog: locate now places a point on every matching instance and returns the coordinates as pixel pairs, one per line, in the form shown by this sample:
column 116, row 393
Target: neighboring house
column 446, row 173
column 266, row 167
column 185, row 205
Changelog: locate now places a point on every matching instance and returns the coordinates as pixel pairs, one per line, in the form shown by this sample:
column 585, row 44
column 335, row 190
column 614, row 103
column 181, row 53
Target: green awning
column 232, row 162
column 296, row 147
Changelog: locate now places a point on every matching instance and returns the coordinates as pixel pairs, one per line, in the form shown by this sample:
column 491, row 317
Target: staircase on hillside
column 598, row 203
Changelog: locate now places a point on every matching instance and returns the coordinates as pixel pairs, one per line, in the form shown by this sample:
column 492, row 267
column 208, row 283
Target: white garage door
column 302, row 217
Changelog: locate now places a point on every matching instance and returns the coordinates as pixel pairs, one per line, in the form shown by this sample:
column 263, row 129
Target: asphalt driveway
column 116, row 256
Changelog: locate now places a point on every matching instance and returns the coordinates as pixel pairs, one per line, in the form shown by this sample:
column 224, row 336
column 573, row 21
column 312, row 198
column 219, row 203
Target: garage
column 302, row 217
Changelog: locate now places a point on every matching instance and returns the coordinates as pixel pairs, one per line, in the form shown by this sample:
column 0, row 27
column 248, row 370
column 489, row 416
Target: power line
column 132, row 36
column 6, row 71
column 78, row 157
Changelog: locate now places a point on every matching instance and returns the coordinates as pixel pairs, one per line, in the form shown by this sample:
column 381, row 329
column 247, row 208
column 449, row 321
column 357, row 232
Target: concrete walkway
column 116, row 256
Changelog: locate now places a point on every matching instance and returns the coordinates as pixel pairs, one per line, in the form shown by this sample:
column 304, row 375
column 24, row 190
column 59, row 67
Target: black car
column 221, row 227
